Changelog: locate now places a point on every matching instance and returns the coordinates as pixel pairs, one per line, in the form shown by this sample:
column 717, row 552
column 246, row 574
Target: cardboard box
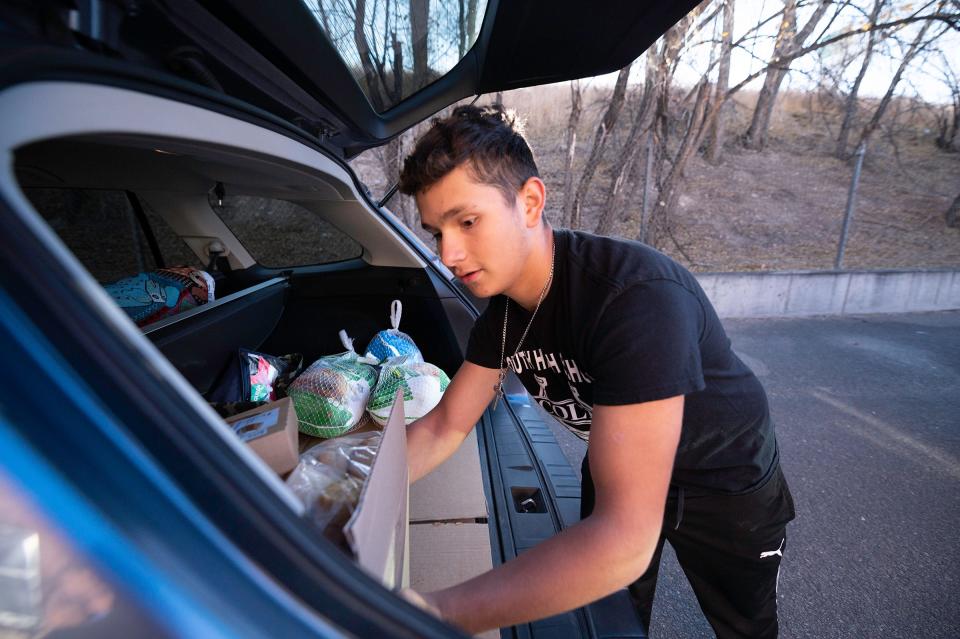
column 454, row 490
column 271, row 431
column 376, row 533
column 448, row 554
column 378, row 530
column 449, row 544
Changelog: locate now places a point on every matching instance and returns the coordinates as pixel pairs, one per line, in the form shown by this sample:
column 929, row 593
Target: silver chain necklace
column 498, row 387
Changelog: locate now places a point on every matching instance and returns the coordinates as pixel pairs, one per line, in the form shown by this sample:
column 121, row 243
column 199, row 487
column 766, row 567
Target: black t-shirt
column 624, row 324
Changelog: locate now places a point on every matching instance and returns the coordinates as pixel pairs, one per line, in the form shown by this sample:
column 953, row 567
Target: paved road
column 868, row 421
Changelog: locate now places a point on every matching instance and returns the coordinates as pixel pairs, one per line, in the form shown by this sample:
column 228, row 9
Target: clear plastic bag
column 329, row 478
column 331, row 395
column 392, row 343
column 422, row 384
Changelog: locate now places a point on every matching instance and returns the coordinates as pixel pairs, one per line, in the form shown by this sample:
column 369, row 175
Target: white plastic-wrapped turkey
column 422, row 384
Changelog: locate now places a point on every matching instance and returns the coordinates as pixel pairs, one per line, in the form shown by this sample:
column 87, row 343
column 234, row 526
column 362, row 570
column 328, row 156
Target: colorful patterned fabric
column 150, row 297
column 223, row 398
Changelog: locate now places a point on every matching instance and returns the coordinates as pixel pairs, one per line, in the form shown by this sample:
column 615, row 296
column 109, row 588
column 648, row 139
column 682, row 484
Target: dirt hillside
column 779, row 209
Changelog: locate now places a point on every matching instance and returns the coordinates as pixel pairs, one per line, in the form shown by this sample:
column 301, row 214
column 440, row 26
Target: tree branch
column 949, row 18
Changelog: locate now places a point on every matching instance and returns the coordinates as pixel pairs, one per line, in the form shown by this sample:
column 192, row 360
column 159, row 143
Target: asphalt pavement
column 867, row 412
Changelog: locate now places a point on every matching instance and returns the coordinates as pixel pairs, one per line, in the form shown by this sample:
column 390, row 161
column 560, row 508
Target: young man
column 618, row 342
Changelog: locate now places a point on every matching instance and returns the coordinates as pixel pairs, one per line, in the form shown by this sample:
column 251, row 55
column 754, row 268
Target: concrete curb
column 800, row 293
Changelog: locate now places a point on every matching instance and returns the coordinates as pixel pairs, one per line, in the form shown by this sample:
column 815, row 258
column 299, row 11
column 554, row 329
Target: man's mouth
column 472, row 276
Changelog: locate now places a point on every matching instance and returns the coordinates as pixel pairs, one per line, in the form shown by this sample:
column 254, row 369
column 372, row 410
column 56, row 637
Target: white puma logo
column 771, row 553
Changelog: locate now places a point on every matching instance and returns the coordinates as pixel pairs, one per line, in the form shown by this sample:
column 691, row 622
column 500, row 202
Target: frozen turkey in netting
column 331, row 395
column 422, row 385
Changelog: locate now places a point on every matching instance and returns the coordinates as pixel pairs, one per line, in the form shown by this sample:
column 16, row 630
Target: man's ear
column 533, row 197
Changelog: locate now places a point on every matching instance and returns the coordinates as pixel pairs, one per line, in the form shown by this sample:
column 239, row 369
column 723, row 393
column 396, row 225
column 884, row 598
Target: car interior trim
column 174, row 319
column 75, row 109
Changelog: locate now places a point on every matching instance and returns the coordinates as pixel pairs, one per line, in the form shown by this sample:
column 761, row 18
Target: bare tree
column 915, row 47
column 953, row 213
column 367, row 61
column 397, row 67
column 850, row 108
column 830, row 96
column 789, row 40
column 419, row 19
column 467, row 24
column 472, row 17
column 653, row 113
column 570, row 144
column 669, row 167
column 948, row 118
column 607, row 122
column 624, row 161
column 462, row 33
column 717, row 127
column 950, row 20
column 390, row 156
column 668, row 186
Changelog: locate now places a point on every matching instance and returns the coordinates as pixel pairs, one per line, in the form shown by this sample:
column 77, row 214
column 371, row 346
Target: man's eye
column 469, row 222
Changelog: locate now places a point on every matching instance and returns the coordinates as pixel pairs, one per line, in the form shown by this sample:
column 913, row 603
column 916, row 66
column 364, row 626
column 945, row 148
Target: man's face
column 481, row 237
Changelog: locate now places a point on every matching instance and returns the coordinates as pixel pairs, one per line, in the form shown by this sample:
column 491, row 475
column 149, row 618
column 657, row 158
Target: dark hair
column 487, row 139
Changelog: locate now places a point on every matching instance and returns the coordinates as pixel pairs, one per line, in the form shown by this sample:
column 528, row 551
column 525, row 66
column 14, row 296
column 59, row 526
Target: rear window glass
column 103, row 230
column 278, row 233
column 394, row 49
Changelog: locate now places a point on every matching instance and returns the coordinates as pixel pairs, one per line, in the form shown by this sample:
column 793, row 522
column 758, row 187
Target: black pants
column 729, row 547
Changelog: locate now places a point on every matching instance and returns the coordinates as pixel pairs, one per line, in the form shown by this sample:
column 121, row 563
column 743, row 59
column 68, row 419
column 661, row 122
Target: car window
column 279, row 234
column 102, row 229
column 394, row 49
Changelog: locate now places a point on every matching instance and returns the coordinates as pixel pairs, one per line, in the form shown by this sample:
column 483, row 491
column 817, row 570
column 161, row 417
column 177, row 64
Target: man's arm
column 435, row 436
column 632, row 449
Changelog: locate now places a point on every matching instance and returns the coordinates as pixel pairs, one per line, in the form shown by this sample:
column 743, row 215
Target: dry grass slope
column 779, row 209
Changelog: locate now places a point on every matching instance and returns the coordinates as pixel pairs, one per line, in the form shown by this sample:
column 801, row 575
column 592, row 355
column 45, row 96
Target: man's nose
column 451, row 251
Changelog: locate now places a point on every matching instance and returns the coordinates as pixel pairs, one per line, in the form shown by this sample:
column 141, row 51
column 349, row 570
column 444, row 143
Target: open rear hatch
column 350, row 75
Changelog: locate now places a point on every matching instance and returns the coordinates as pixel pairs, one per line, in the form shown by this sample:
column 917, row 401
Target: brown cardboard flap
column 377, row 530
column 443, row 555
column 454, row 490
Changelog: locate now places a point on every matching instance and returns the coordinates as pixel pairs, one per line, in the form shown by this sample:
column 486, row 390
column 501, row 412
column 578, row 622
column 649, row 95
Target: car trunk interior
column 287, row 310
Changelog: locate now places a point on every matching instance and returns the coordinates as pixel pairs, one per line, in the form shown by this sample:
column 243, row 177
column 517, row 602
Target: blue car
column 138, row 136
